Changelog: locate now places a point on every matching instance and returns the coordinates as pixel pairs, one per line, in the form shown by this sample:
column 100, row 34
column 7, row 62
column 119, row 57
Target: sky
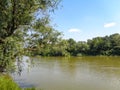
column 86, row 19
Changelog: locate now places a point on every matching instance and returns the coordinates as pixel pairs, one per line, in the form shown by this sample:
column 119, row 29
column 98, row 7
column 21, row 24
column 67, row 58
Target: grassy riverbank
column 6, row 83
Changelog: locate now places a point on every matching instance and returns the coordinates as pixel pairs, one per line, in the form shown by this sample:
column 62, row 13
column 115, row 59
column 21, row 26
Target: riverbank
column 7, row 83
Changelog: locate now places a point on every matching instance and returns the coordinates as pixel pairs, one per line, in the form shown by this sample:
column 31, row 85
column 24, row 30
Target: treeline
column 53, row 45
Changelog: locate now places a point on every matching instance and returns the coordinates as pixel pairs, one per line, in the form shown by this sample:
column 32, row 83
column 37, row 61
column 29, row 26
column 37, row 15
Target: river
column 74, row 73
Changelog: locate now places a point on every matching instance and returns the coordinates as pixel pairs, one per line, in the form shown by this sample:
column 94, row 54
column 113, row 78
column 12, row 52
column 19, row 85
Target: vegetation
column 108, row 45
column 6, row 83
column 25, row 28
column 19, row 23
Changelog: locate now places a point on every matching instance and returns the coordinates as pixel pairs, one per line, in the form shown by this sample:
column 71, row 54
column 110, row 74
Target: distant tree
column 60, row 48
column 82, row 48
column 71, row 46
column 96, row 46
column 115, row 43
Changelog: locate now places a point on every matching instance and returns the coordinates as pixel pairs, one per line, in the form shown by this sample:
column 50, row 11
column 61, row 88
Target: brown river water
column 74, row 73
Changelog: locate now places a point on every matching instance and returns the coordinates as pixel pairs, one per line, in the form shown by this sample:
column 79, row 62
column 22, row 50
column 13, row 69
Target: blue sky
column 85, row 19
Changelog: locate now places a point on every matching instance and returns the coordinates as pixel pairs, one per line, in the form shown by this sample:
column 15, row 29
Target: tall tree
column 16, row 19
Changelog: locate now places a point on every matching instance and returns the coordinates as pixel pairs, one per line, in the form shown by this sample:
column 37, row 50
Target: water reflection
column 75, row 73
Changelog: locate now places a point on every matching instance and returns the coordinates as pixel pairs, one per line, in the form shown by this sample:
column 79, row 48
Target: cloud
column 108, row 25
column 74, row 30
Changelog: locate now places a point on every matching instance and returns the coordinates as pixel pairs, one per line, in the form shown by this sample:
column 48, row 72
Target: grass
column 6, row 83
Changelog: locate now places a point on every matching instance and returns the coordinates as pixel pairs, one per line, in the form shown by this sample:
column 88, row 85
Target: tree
column 82, row 48
column 60, row 48
column 17, row 18
column 71, row 46
column 106, row 46
column 96, row 46
column 115, row 44
column 43, row 38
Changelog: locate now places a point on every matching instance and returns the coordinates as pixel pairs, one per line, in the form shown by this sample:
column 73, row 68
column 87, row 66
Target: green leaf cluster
column 17, row 19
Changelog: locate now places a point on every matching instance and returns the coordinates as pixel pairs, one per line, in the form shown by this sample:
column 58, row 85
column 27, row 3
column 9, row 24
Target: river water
column 74, row 73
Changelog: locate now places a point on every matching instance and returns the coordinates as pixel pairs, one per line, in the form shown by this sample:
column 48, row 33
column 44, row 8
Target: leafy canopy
column 17, row 17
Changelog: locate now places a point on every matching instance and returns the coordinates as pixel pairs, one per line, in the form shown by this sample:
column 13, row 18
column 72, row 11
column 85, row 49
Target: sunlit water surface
column 74, row 73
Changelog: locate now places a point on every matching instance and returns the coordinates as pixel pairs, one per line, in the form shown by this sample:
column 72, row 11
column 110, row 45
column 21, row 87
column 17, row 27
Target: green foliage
column 6, row 83
column 17, row 19
column 82, row 48
column 43, row 38
column 8, row 52
column 25, row 28
column 71, row 46
column 108, row 45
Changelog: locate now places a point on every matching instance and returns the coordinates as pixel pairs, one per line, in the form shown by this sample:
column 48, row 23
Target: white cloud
column 74, row 30
column 108, row 25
